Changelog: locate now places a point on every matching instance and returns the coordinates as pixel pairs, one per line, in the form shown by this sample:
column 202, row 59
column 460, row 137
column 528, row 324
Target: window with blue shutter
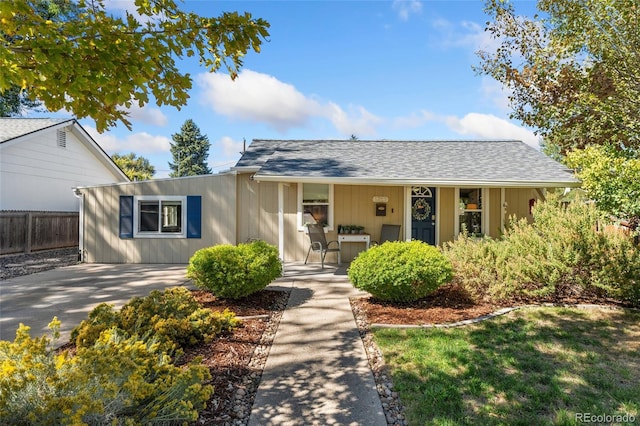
column 126, row 216
column 149, row 216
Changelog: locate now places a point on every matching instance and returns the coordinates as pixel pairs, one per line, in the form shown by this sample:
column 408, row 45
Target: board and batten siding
column 354, row 205
column 257, row 210
column 101, row 237
column 38, row 174
column 257, row 213
column 445, row 219
column 517, row 200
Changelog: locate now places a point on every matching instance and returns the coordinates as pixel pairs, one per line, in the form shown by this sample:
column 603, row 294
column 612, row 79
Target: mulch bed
column 229, row 357
column 447, row 304
column 450, row 304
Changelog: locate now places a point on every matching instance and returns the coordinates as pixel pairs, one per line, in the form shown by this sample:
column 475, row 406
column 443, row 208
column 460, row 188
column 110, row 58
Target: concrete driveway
column 71, row 292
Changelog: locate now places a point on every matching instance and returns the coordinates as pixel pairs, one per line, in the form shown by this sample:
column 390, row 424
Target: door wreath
column 421, row 209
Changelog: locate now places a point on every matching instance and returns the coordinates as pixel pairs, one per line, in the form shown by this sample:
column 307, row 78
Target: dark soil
column 233, row 358
column 448, row 304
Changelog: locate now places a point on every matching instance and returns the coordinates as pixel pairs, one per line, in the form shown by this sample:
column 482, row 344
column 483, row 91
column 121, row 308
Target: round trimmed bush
column 400, row 271
column 233, row 272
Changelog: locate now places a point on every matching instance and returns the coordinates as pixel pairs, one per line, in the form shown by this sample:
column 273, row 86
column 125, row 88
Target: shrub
column 234, row 272
column 400, row 271
column 118, row 380
column 561, row 253
column 172, row 317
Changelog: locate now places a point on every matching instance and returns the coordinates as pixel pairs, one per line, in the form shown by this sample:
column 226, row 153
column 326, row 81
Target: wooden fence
column 24, row 232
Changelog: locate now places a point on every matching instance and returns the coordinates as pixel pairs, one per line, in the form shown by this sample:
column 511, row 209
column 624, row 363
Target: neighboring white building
column 42, row 160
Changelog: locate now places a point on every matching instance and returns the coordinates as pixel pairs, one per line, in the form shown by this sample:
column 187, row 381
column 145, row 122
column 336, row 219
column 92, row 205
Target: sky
column 383, row 69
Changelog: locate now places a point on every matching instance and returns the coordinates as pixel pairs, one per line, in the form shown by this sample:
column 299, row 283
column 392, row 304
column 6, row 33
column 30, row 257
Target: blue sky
column 374, row 69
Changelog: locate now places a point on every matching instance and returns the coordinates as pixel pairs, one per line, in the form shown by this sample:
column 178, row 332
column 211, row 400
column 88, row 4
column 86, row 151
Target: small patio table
column 352, row 238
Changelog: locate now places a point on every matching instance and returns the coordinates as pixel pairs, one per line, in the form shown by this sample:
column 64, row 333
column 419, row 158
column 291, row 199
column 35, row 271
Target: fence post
column 27, row 237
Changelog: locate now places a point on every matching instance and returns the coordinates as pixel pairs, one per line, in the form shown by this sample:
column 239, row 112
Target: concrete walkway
column 317, row 371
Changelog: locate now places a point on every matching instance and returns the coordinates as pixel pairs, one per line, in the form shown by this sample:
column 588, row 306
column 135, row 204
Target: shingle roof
column 11, row 128
column 436, row 161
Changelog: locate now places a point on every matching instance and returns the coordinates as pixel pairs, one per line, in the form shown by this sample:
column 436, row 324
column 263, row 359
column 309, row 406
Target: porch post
column 281, row 220
column 407, row 213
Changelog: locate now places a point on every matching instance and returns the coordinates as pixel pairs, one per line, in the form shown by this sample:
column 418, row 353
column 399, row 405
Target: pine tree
column 190, row 150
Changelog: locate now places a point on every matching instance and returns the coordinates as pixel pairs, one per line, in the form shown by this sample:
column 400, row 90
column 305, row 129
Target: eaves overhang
column 423, row 182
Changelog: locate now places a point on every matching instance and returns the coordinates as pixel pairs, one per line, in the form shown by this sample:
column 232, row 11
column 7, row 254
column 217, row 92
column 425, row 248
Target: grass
column 531, row 366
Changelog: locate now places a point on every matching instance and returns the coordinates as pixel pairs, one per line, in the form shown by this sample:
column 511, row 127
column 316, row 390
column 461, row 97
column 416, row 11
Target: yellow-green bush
column 119, row 380
column 561, row 253
column 234, row 272
column 400, row 271
column 172, row 317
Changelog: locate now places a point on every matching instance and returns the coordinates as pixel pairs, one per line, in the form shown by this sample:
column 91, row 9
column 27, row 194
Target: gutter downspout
column 80, row 196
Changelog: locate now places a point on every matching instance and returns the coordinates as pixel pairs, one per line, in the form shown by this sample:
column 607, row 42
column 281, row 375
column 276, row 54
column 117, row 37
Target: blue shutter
column 126, row 216
column 194, row 216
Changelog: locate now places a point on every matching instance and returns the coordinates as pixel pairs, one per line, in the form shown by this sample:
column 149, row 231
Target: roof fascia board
column 245, row 169
column 146, row 182
column 441, row 183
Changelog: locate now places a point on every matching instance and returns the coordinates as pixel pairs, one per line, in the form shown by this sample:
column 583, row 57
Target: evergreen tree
column 14, row 102
column 190, row 150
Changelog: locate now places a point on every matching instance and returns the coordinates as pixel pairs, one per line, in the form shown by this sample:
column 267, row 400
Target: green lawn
column 531, row 366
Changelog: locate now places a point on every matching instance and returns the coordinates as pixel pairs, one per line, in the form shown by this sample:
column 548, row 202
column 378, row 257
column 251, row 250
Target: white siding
column 37, row 174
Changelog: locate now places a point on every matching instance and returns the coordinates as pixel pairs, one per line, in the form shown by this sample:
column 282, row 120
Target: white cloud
column 139, row 143
column 258, row 97
column 414, row 120
column 495, row 92
column 148, row 115
column 230, row 147
column 489, row 126
column 405, row 8
column 475, row 125
column 463, row 34
column 358, row 121
column 255, row 96
column 226, row 153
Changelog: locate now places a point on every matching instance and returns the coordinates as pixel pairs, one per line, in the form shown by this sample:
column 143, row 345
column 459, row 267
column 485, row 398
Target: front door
column 423, row 214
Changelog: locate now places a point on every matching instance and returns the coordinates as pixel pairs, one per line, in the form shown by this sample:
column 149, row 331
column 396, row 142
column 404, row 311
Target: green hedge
column 400, row 271
column 562, row 253
column 234, row 272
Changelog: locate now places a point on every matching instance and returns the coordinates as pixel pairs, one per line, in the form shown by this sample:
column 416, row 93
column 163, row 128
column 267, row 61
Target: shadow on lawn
column 534, row 366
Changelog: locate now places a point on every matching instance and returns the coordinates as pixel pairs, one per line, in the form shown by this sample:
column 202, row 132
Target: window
column 160, row 216
column 315, row 204
column 152, row 216
column 471, row 218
